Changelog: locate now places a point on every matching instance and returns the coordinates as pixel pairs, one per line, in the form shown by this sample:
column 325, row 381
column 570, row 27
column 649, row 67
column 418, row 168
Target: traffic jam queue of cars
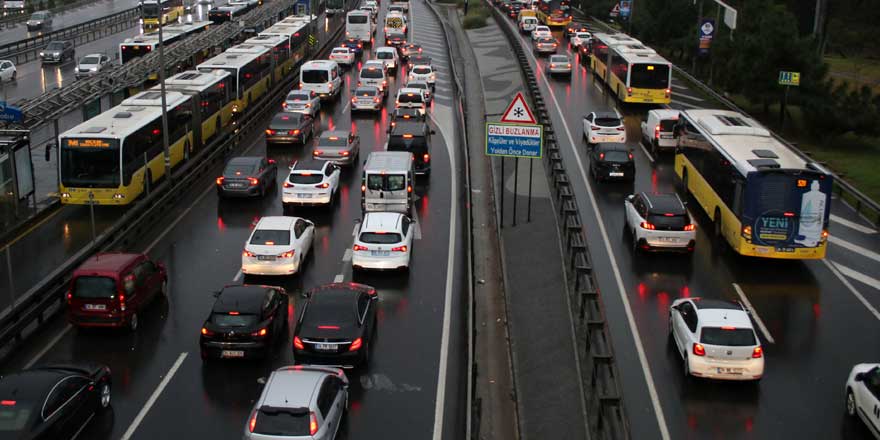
column 337, row 322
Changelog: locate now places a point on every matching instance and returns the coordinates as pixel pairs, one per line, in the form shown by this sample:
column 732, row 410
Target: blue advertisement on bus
column 787, row 210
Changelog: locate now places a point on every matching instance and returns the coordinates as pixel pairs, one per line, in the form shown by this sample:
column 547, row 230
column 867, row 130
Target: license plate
column 304, row 196
column 612, row 174
column 784, row 249
column 325, row 347
column 96, row 307
column 666, row 136
column 236, row 185
column 380, row 253
column 729, row 370
column 668, row 239
column 232, row 353
column 266, row 257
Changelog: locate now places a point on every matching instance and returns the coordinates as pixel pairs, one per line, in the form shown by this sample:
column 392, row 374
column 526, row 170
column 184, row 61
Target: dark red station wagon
column 109, row 289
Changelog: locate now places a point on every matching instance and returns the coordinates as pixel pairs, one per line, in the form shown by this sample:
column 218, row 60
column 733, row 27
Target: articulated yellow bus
column 633, row 71
column 214, row 97
column 251, row 67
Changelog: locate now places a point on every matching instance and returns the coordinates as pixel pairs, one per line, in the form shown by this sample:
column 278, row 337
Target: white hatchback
column 421, row 72
column 342, row 55
column 580, row 38
column 310, row 182
column 604, row 127
column 863, row 395
column 388, row 55
column 659, row 221
column 715, row 339
column 383, row 241
column 541, row 32
column 277, row 246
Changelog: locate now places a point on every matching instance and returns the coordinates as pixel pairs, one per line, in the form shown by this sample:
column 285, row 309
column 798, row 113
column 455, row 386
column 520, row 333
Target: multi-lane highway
column 413, row 387
column 819, row 322
column 68, row 18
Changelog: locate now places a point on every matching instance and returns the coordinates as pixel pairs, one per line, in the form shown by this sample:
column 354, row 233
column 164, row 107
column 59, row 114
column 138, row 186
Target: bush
column 474, row 21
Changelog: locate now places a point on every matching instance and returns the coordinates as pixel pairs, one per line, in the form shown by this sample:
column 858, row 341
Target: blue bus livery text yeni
column 765, row 199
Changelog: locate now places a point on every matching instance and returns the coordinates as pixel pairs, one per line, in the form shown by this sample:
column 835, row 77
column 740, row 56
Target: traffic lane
column 787, row 295
column 68, row 18
column 35, row 78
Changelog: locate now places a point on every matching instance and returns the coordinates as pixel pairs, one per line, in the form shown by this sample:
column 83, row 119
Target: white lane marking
column 652, row 390
column 346, row 257
column 339, row 278
column 48, row 346
column 417, row 224
column 178, row 219
column 143, row 412
column 858, row 276
column 447, row 305
column 688, row 97
column 852, row 289
column 676, row 86
column 754, row 314
column 354, row 232
column 684, row 104
column 854, row 247
column 852, row 225
column 645, row 150
column 237, row 276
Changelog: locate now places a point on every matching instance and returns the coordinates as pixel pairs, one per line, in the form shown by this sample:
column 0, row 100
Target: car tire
column 850, row 404
column 686, row 366
column 104, row 396
column 133, row 322
column 14, row 76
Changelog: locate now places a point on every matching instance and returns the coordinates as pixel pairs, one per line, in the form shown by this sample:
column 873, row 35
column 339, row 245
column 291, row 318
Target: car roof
column 334, row 133
column 546, row 40
column 664, row 202
column 275, row 222
column 286, row 118
column 559, row 56
column 31, row 386
column 381, row 221
column 309, row 164
column 245, row 160
column 292, row 388
column 723, row 317
column 612, row 147
column 242, row 298
column 385, row 49
column 309, row 93
column 665, row 113
column 107, row 262
column 416, row 128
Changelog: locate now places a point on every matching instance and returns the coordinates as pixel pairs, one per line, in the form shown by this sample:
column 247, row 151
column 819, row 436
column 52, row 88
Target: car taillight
column 293, row 132
column 399, row 249
column 426, row 157
column 288, row 254
column 252, row 423
column 253, row 181
column 260, row 332
column 248, row 253
column 668, row 92
column 345, row 153
column 621, row 128
column 318, row 152
column 647, row 225
column 593, row 127
column 409, row 188
column 699, row 350
column 324, row 185
column 601, row 156
column 376, row 100
column 121, row 302
column 270, row 132
column 207, row 332
column 657, row 132
column 298, row 343
column 283, row 105
column 330, row 85
column 629, row 91
column 360, row 45
column 358, row 247
column 69, row 297
column 568, row 65
column 552, row 66
column 758, row 352
column 363, row 188
column 288, row 185
column 690, row 227
column 356, row 345
column 313, row 424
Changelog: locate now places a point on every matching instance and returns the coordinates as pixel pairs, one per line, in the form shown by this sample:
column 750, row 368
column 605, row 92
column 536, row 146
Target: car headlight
column 42, row 54
column 94, row 69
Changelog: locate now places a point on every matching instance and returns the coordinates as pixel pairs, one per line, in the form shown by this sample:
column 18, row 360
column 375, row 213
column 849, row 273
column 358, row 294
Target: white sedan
column 383, row 241
column 342, row 55
column 277, row 246
column 7, row 71
column 423, row 73
column 604, row 127
column 302, row 101
column 863, row 395
column 715, row 339
column 541, row 32
column 91, row 64
column 580, row 38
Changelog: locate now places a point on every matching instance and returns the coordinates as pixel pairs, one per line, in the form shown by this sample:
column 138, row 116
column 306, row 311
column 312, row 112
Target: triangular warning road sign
column 518, row 111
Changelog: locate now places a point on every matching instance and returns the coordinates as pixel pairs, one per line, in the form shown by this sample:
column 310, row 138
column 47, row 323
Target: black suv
column 58, row 51
column 412, row 137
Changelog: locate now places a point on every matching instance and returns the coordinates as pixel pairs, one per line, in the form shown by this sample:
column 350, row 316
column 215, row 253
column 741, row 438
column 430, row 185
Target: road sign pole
column 501, row 194
column 515, row 186
column 782, row 108
column 529, row 209
column 92, row 214
column 9, row 272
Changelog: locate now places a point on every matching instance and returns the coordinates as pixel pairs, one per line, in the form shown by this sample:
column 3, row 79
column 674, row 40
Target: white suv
column 411, row 98
column 388, row 55
column 311, row 182
column 342, row 55
column 421, row 72
column 659, row 221
column 541, row 32
column 383, row 241
column 715, row 339
column 604, row 127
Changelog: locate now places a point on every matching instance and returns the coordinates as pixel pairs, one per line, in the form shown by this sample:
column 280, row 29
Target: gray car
column 302, row 402
column 246, row 176
column 57, row 52
column 338, row 146
column 290, row 128
column 39, row 20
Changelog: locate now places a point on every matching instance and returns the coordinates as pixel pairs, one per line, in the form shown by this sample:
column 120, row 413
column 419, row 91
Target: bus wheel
column 718, row 226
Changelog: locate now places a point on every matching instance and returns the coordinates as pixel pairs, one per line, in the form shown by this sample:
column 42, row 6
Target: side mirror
column 305, row 295
column 630, row 197
column 433, row 132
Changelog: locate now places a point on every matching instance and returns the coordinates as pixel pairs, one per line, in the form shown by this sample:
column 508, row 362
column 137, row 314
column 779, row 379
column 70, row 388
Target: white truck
column 658, row 130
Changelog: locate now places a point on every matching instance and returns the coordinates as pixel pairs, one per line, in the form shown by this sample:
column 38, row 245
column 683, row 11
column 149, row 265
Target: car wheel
column 365, row 358
column 14, row 75
column 850, row 403
column 133, row 322
column 104, row 396
column 687, row 366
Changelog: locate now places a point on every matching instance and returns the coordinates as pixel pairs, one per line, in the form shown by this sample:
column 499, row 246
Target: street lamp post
column 164, row 111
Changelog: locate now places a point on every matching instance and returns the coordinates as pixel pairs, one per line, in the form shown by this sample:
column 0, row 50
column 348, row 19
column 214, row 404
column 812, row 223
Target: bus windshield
column 150, row 10
column 90, row 167
column 358, row 19
column 649, row 76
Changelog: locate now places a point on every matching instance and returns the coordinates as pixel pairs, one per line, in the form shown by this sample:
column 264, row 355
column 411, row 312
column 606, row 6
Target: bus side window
column 738, row 197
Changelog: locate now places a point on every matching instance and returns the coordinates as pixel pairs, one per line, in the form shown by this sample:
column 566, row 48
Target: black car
column 247, row 176
column 405, row 114
column 57, row 52
column 245, row 322
column 413, row 137
column 514, row 9
column 290, row 128
column 52, row 402
column 419, row 60
column 336, row 325
column 354, row 44
column 409, row 50
column 395, row 38
column 612, row 162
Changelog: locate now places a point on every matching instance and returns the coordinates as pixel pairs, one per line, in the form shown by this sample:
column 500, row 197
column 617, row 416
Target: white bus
column 359, row 24
column 323, row 77
column 140, row 45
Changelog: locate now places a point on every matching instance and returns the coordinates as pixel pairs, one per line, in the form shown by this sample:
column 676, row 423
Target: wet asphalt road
column 201, row 244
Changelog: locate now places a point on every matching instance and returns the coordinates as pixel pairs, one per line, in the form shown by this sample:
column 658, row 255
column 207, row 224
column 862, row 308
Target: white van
column 359, row 25
column 395, row 21
column 527, row 23
column 658, row 130
column 323, row 77
column 373, row 74
column 387, row 182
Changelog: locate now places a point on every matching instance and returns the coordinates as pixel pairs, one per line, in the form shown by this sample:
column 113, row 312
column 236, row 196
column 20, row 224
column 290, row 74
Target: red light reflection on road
column 654, row 180
column 749, row 424
column 685, row 292
column 325, row 243
column 220, row 225
column 817, row 310
column 692, row 422
column 643, row 291
column 663, row 301
column 424, row 202
column 355, row 406
column 330, row 125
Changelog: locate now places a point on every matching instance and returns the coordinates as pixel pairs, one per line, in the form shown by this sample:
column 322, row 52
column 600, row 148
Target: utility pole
column 696, row 52
column 164, row 111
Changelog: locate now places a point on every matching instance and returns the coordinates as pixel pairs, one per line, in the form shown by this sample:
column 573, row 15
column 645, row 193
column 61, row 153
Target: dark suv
column 57, row 52
column 612, row 162
column 412, row 137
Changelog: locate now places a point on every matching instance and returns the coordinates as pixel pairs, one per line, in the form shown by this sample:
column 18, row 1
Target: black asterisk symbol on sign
column 518, row 112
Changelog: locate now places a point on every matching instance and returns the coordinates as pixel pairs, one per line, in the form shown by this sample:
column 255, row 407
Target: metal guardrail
column 605, row 410
column 868, row 208
column 26, row 50
column 14, row 18
column 39, row 303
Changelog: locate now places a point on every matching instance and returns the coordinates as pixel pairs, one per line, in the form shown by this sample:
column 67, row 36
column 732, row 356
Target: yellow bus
column 764, row 199
column 633, row 71
column 296, row 29
column 214, row 97
column 251, row 68
column 554, row 12
column 111, row 158
column 156, row 12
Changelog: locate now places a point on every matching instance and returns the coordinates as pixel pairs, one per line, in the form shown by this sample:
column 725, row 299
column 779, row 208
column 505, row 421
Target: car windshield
column 358, row 19
column 371, row 73
column 616, row 156
column 226, row 319
column 239, row 169
column 282, row 422
column 306, row 178
column 420, row 70
column 38, row 16
column 92, row 287
column 384, row 55
column 90, row 60
column 333, row 141
column 380, row 237
column 271, row 237
column 14, row 415
column 386, row 182
column 314, row 76
column 55, row 45
column 607, row 122
column 730, row 337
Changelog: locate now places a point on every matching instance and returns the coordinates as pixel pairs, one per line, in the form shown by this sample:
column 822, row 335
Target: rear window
column 380, row 238
column 384, row 55
column 616, row 156
column 416, row 144
column 298, row 96
column 333, row 141
column 737, row 337
column 558, row 59
column 282, row 422
column 270, row 237
column 236, row 169
column 667, row 125
column 94, row 287
column 305, row 178
column 372, row 73
column 358, row 19
column 410, row 97
column 341, row 50
column 14, row 417
column 607, row 122
column 238, row 320
column 285, row 119
column 366, row 92
column 421, row 70
column 315, row 76
column 663, row 221
column 386, row 182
